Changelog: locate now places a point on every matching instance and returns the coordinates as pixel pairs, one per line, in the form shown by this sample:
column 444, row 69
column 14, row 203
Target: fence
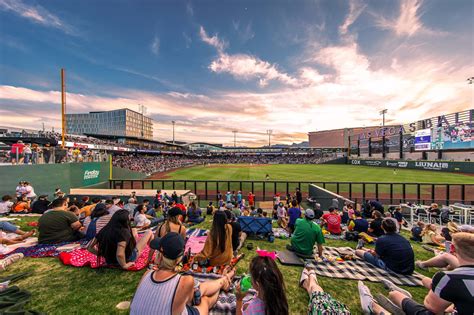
column 422, row 193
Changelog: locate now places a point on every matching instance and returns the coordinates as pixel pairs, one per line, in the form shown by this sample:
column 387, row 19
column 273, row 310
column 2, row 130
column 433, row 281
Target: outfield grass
column 59, row 289
column 317, row 172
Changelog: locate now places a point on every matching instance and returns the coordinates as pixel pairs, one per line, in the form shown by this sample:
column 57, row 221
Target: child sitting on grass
column 267, row 280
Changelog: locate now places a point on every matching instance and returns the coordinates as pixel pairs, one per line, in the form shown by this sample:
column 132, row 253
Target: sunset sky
column 215, row 66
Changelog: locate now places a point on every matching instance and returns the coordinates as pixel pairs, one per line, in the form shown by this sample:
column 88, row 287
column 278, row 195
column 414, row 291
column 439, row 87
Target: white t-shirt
column 281, row 212
column 141, row 219
column 30, row 192
column 5, row 206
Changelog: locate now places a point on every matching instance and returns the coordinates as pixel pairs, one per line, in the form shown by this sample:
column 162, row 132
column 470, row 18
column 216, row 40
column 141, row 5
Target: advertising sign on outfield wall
column 423, row 140
column 446, row 166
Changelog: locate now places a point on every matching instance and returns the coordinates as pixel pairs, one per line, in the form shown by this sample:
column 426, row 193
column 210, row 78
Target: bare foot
column 28, row 234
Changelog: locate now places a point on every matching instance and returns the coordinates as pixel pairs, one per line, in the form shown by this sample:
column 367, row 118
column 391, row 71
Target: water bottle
column 245, row 283
column 197, row 293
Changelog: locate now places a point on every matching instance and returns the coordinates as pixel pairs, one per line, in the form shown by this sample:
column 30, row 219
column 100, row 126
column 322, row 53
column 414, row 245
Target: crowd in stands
column 111, row 229
column 162, row 163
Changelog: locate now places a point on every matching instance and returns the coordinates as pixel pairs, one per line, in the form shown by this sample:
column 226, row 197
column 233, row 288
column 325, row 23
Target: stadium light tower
column 173, row 122
column 269, row 133
column 235, row 137
column 383, row 112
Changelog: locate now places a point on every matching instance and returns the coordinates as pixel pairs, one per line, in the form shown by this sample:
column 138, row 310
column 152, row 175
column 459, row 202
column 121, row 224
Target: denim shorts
column 7, row 227
column 377, row 262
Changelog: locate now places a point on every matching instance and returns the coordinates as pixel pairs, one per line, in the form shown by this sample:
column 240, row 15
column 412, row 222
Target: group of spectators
column 111, row 228
column 151, row 164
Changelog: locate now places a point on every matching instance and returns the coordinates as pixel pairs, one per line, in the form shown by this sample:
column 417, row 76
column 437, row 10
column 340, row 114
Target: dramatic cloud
column 243, row 66
column 355, row 9
column 155, row 46
column 36, row 14
column 408, row 22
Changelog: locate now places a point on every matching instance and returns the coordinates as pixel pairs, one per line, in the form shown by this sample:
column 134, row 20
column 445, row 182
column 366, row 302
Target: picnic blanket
column 196, row 232
column 195, row 244
column 226, row 302
column 37, row 251
column 7, row 249
column 360, row 270
column 81, row 257
column 194, row 268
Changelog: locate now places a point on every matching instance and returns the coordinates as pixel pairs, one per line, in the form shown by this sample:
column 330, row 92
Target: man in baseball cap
column 307, row 233
column 170, row 246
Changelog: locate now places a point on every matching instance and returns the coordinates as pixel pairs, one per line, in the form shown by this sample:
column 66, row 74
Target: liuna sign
column 444, row 166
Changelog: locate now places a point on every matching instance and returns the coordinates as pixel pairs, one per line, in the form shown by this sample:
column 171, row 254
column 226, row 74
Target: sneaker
column 366, row 298
column 420, row 265
column 360, row 244
column 388, row 305
column 389, row 285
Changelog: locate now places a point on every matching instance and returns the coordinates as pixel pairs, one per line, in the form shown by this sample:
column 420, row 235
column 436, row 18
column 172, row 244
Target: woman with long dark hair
column 218, row 246
column 267, row 280
column 117, row 241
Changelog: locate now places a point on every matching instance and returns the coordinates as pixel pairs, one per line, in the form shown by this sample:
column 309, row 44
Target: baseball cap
column 174, row 212
column 171, row 245
column 309, row 213
column 99, row 206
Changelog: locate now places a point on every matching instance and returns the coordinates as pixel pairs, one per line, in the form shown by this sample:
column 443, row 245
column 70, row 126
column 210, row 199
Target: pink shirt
column 255, row 307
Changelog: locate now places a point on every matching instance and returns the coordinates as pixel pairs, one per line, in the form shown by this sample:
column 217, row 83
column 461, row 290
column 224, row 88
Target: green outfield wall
column 46, row 177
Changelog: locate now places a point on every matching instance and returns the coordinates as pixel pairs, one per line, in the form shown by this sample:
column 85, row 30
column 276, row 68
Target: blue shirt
column 294, row 213
column 396, row 253
column 239, row 197
column 361, row 225
column 228, row 197
column 398, row 215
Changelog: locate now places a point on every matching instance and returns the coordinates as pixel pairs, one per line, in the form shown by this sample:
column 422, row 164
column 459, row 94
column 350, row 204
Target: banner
column 423, row 140
column 91, row 173
column 445, row 166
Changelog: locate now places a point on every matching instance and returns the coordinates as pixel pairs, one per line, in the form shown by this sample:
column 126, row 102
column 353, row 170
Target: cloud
column 214, row 41
column 408, row 23
column 187, row 40
column 189, row 9
column 244, row 66
column 155, row 46
column 245, row 33
column 36, row 14
column 355, row 9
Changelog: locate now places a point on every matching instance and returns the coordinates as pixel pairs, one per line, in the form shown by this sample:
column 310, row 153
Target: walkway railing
column 421, row 193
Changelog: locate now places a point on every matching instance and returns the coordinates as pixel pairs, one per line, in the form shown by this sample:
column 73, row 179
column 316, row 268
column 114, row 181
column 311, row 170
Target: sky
column 216, row 66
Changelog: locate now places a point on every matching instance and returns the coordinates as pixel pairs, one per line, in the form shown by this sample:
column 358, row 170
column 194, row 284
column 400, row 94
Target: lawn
column 59, row 289
column 317, row 172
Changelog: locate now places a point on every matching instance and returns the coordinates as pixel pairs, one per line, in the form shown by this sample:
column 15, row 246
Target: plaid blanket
column 226, row 302
column 37, row 251
column 360, row 270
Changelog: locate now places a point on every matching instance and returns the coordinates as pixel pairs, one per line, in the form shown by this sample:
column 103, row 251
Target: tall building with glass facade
column 121, row 122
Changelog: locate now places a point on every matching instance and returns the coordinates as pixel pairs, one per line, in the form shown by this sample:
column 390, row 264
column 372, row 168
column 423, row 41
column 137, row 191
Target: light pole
column 235, row 135
column 383, row 112
column 173, row 122
column 269, row 133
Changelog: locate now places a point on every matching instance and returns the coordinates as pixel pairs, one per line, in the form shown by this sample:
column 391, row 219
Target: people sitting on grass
column 217, row 250
column 142, row 221
column 431, row 236
column 165, row 291
column 118, row 243
column 94, row 223
column 449, row 291
column 173, row 223
column 267, row 280
column 210, row 209
column 397, row 214
column 307, row 234
column 22, row 205
column 6, row 205
column 359, row 224
column 87, row 209
column 58, row 224
column 238, row 237
column 392, row 251
column 40, row 206
column 416, row 231
column 281, row 215
column 332, row 221
column 320, row 302
column 294, row 213
column 7, row 227
column 375, row 226
column 194, row 213
column 130, row 206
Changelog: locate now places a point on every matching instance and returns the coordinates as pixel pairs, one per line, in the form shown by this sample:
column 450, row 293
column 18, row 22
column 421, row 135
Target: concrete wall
column 121, row 173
